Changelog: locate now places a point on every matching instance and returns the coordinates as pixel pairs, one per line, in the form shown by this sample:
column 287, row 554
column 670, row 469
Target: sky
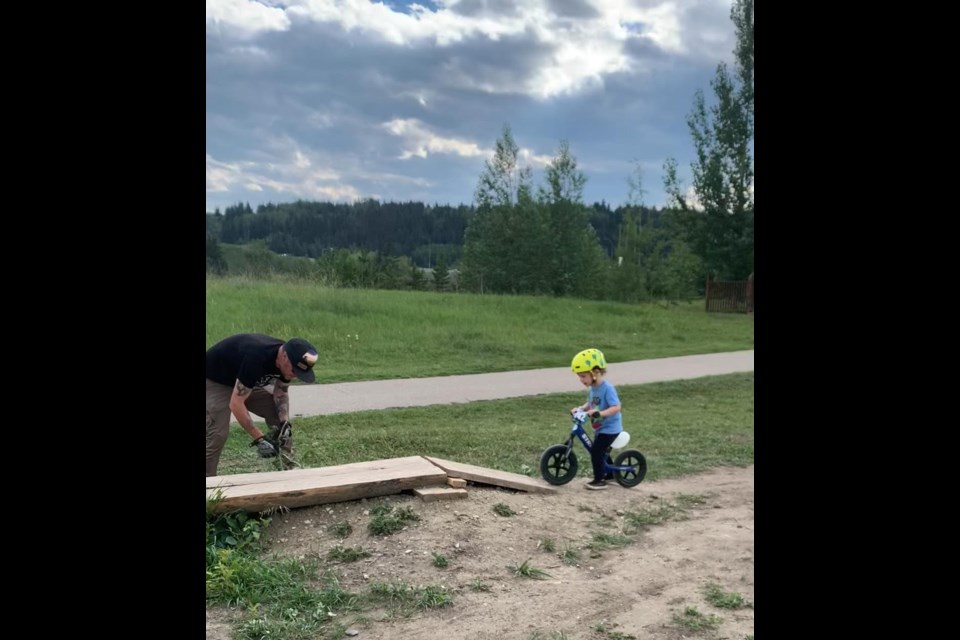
column 342, row 100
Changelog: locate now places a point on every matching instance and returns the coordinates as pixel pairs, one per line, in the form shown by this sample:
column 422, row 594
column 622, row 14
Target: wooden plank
column 304, row 490
column 457, row 483
column 429, row 494
column 373, row 466
column 492, row 476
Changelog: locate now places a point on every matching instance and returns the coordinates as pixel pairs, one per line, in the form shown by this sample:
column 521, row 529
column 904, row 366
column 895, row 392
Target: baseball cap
column 302, row 356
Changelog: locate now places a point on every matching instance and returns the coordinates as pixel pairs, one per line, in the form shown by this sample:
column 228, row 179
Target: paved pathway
column 324, row 399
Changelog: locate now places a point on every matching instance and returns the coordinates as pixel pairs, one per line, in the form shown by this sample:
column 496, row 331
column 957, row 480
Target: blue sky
column 338, row 100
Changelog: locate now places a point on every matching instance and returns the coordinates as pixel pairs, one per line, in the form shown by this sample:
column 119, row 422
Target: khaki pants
column 260, row 403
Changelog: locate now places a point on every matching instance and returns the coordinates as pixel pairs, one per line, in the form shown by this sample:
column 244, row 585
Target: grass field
column 365, row 334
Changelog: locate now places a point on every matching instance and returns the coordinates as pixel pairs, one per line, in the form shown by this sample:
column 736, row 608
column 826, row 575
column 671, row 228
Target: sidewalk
column 325, row 399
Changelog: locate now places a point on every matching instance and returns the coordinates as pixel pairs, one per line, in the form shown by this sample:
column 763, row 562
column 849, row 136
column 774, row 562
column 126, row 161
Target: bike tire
column 630, row 458
column 558, row 465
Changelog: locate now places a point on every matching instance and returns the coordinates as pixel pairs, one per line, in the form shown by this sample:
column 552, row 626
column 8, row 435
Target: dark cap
column 302, row 356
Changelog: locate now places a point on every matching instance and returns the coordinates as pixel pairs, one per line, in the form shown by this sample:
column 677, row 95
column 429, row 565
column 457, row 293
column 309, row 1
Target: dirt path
column 635, row 590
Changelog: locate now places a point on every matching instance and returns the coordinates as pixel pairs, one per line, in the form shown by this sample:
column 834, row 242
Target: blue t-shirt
column 604, row 397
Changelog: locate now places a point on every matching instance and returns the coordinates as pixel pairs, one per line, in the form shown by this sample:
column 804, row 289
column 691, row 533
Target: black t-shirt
column 250, row 358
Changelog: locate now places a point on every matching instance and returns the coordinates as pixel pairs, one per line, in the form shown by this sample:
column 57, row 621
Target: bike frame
column 580, row 433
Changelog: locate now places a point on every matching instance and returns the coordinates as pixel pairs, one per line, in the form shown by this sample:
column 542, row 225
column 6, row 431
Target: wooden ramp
column 308, row 487
column 492, row 476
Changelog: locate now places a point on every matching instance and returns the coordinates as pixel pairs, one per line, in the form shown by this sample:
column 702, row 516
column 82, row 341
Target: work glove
column 265, row 448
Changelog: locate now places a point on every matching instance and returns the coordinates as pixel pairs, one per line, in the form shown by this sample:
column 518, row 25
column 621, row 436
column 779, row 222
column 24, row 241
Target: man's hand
column 265, row 448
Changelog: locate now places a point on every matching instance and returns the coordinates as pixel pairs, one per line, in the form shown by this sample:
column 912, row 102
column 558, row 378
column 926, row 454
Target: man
column 239, row 370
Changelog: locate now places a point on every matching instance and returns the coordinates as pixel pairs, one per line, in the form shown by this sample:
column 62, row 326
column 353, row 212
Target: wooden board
column 492, row 476
column 307, row 487
column 377, row 466
column 429, row 494
column 457, row 483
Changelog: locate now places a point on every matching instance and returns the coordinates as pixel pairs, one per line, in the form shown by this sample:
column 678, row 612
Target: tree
column 719, row 227
column 441, row 274
column 569, row 254
column 416, row 277
column 216, row 263
column 504, row 228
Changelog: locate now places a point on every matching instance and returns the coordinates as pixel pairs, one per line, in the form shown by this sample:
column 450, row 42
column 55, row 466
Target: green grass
column 347, row 554
column 604, row 541
column 695, row 621
column 403, row 599
column 682, row 427
column 375, row 335
column 662, row 510
column 725, row 599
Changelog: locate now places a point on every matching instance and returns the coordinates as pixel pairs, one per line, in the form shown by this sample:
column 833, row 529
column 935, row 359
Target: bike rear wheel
column 558, row 464
column 634, row 459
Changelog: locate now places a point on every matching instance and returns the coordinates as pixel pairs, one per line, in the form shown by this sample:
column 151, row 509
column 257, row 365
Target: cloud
column 545, row 48
column 419, row 141
column 403, row 100
column 244, row 18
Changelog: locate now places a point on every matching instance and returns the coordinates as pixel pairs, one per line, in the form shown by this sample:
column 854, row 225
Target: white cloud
column 293, row 174
column 245, row 18
column 419, row 141
column 577, row 53
column 525, row 156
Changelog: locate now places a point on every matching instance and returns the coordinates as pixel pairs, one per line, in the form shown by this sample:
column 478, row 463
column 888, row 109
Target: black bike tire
column 553, row 456
column 630, row 458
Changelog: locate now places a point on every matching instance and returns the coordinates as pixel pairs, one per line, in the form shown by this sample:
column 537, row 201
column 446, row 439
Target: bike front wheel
column 558, row 464
column 638, row 468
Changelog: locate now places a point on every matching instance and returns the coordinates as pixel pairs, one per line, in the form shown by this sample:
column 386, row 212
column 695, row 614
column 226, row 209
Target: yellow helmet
column 587, row 359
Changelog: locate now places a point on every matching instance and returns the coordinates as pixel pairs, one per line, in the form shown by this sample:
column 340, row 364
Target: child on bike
column 603, row 407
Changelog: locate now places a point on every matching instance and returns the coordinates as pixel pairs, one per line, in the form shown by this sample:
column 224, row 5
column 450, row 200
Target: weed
column 696, row 621
column 432, row 597
column 406, row 598
column 686, row 501
column 233, row 530
column 386, row 521
column 570, row 556
column 724, row 599
column 528, row 571
column 604, row 541
column 503, row 510
column 479, row 585
column 347, row 554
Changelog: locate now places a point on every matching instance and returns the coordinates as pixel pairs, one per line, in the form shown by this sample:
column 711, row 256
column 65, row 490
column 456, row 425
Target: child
column 603, row 405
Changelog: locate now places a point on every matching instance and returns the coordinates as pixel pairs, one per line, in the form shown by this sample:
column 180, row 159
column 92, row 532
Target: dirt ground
column 632, row 591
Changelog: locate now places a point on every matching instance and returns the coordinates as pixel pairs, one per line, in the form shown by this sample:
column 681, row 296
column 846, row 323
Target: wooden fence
column 730, row 296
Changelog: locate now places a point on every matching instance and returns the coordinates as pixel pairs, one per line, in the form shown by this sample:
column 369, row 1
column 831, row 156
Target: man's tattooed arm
column 238, row 407
column 282, row 397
